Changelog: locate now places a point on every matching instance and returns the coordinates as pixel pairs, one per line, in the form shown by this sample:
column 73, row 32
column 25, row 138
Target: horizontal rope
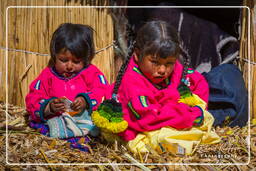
column 24, row 51
column 246, row 60
column 243, row 59
column 98, row 51
column 42, row 54
column 105, row 48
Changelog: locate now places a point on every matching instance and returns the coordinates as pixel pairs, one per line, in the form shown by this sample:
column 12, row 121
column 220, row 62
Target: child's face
column 156, row 69
column 67, row 64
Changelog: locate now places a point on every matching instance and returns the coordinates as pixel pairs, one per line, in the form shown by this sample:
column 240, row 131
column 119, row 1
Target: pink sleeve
column 98, row 87
column 199, row 86
column 37, row 98
column 146, row 111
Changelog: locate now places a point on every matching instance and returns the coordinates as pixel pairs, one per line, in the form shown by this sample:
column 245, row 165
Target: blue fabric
column 93, row 130
column 65, row 126
column 228, row 100
column 40, row 127
column 75, row 142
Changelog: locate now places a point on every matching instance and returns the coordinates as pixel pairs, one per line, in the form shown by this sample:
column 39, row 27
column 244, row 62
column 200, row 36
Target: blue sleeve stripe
column 102, row 79
column 37, row 85
column 137, row 116
column 94, row 102
column 136, row 70
column 143, row 101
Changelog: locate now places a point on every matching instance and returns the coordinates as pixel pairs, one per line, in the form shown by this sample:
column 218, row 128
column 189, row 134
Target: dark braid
column 109, row 115
column 122, row 70
column 185, row 62
column 183, row 88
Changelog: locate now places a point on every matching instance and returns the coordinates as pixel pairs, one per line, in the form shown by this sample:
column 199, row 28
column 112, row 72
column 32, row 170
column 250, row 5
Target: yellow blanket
column 182, row 142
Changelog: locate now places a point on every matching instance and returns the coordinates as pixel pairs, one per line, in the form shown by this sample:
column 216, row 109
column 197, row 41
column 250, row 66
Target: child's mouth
column 68, row 74
column 158, row 79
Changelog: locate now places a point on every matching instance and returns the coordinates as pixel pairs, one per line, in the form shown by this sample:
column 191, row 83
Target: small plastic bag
column 67, row 104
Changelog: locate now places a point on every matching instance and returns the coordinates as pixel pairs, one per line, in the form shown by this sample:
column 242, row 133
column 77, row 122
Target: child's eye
column 154, row 62
column 169, row 63
column 63, row 60
column 77, row 62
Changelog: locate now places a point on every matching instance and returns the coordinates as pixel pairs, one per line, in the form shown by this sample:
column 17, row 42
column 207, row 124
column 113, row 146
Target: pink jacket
column 89, row 83
column 147, row 108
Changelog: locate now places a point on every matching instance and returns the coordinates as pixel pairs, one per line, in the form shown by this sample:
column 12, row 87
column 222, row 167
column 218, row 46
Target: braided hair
column 109, row 115
column 122, row 70
column 183, row 86
column 185, row 61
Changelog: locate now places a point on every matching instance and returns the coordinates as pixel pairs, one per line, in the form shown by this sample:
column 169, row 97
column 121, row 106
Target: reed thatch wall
column 30, row 29
column 248, row 53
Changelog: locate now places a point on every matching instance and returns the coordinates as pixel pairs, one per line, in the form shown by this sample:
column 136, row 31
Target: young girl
column 158, row 92
column 69, row 78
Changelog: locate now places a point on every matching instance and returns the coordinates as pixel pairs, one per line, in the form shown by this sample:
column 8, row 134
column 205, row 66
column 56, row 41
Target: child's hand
column 79, row 104
column 57, row 106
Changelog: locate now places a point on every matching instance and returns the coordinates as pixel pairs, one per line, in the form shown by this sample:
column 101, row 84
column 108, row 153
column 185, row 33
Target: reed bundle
column 30, row 29
column 247, row 52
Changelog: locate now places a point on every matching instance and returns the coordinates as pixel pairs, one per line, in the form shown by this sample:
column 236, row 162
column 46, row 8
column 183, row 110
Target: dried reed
column 25, row 145
column 247, row 53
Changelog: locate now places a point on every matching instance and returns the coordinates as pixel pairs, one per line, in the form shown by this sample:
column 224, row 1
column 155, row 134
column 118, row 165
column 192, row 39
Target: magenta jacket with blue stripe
column 148, row 107
column 89, row 83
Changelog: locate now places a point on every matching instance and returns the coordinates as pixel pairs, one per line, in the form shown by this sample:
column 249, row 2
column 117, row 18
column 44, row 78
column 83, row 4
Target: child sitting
column 163, row 101
column 69, row 77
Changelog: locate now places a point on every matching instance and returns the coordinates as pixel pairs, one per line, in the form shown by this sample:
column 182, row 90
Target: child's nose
column 161, row 70
column 69, row 66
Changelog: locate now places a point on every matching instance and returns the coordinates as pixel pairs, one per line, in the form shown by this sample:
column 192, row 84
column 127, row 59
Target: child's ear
column 51, row 62
column 136, row 53
column 135, row 57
